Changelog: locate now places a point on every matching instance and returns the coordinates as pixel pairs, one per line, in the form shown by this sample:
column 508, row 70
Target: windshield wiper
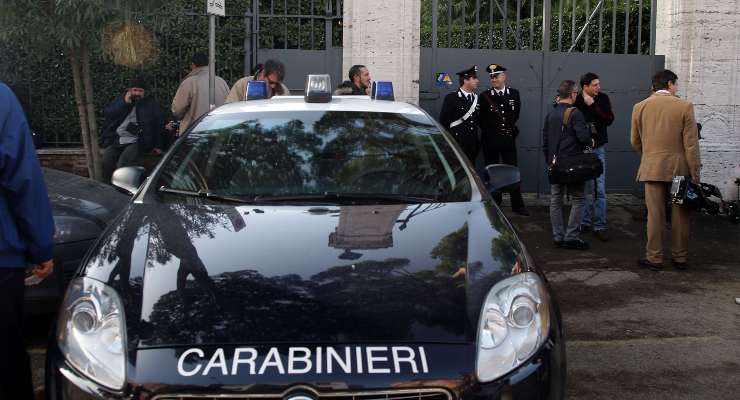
column 205, row 195
column 339, row 197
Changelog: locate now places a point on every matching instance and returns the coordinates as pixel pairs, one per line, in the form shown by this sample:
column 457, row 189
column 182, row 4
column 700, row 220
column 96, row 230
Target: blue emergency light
column 318, row 89
column 382, row 90
column 256, row 90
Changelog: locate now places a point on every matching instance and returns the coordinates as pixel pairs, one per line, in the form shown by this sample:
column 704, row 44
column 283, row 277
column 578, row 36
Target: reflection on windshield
column 312, row 152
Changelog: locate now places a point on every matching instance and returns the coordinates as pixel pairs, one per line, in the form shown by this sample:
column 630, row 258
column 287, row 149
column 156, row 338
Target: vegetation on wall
column 67, row 59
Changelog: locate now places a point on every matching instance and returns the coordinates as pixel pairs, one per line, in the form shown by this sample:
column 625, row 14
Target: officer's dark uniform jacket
column 498, row 117
column 148, row 115
column 454, row 107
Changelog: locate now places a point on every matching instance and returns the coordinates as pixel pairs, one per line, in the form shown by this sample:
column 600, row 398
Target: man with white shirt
column 459, row 113
column 499, row 113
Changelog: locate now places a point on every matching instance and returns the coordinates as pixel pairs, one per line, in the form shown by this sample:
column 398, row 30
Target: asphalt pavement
column 637, row 334
column 631, row 333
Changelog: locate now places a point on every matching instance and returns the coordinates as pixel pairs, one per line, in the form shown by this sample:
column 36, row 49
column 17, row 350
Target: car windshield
column 304, row 155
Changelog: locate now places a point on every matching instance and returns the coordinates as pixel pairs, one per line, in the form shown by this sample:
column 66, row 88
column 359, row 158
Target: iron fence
column 599, row 26
column 44, row 83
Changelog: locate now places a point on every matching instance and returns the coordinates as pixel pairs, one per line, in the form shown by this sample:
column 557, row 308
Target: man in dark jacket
column 459, row 113
column 597, row 109
column 133, row 127
column 561, row 140
column 359, row 82
column 26, row 237
column 499, row 112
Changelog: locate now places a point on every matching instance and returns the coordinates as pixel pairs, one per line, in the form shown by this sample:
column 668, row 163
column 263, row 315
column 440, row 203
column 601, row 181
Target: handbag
column 573, row 168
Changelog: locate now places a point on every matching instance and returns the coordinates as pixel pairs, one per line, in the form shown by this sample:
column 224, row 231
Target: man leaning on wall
column 272, row 72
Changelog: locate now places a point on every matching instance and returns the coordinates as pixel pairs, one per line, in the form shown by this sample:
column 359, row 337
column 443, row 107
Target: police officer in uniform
column 499, row 112
column 459, row 113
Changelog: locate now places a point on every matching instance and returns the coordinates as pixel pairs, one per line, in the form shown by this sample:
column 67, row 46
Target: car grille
column 420, row 394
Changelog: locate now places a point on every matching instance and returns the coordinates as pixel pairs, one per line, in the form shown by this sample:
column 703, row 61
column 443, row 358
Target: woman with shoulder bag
column 566, row 140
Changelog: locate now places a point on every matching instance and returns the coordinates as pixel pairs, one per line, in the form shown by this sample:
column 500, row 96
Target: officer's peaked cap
column 495, row 69
column 469, row 73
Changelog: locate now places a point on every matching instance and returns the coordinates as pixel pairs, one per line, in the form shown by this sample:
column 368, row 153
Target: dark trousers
column 499, row 155
column 15, row 366
column 468, row 142
column 117, row 156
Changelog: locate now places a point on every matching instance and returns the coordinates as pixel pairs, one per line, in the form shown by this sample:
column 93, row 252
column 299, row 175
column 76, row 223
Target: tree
column 77, row 26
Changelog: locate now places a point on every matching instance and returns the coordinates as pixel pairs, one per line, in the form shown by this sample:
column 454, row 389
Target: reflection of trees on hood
column 452, row 251
column 372, row 300
column 166, row 230
column 180, row 224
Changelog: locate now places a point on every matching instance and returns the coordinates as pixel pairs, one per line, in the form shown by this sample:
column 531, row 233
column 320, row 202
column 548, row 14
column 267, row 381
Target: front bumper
column 543, row 377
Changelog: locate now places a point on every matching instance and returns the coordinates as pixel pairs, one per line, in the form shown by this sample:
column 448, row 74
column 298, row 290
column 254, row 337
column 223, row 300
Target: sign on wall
column 216, row 7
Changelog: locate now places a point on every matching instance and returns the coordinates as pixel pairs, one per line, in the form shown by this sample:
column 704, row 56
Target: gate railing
column 295, row 24
column 597, row 26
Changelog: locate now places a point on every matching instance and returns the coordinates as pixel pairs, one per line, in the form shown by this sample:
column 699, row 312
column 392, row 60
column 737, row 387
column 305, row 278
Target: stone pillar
column 701, row 43
column 384, row 35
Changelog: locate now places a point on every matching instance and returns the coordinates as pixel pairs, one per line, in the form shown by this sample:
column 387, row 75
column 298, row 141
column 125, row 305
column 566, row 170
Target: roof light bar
column 382, row 90
column 256, row 90
column 318, row 89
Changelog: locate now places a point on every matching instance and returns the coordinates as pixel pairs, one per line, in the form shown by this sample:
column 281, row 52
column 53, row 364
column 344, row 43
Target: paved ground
column 637, row 334
column 632, row 334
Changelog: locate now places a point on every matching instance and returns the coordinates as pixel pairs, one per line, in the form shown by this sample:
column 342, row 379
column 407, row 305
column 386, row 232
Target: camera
column 135, row 129
column 697, row 197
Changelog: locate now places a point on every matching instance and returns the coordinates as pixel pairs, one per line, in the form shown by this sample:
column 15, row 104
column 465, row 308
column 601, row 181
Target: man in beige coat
column 273, row 72
column 664, row 133
column 191, row 100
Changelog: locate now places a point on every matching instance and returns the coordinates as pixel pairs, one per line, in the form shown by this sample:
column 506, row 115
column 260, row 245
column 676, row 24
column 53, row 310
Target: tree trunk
column 74, row 62
column 92, row 122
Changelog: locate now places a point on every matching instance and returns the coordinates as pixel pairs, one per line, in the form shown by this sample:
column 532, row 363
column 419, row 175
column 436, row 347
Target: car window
column 316, row 152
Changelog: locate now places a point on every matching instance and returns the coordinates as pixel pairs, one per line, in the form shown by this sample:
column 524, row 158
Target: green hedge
column 43, row 82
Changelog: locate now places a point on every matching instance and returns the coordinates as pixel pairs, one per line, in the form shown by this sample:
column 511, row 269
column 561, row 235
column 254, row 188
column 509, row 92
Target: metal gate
column 305, row 35
column 596, row 43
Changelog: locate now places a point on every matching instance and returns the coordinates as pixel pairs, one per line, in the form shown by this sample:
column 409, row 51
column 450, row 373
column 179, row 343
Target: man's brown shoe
column 680, row 265
column 644, row 263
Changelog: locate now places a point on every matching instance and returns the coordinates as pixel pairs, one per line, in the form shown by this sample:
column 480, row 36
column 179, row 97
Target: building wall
column 384, row 35
column 68, row 160
column 701, row 43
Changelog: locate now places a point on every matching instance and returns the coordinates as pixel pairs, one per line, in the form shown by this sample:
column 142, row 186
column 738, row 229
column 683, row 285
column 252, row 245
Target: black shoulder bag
column 573, row 168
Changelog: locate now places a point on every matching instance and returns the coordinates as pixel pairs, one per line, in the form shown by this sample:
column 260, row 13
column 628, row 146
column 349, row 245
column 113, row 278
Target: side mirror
column 128, row 179
column 502, row 177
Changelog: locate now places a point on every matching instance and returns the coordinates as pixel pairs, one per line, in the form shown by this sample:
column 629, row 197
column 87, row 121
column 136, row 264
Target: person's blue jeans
column 594, row 213
column 560, row 232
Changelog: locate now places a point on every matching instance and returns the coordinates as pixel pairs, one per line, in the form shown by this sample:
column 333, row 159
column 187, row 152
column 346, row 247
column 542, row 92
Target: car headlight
column 91, row 332
column 514, row 323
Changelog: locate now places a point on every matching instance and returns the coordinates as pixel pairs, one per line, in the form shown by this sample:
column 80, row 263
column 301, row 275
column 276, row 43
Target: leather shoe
column 680, row 265
column 584, row 228
column 644, row 263
column 557, row 243
column 602, row 235
column 576, row 244
column 522, row 211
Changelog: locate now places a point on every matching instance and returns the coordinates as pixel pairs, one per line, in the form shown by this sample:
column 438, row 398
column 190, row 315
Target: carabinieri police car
column 310, row 247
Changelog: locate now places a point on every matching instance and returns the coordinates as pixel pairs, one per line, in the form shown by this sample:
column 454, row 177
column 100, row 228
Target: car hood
column 81, row 206
column 296, row 274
